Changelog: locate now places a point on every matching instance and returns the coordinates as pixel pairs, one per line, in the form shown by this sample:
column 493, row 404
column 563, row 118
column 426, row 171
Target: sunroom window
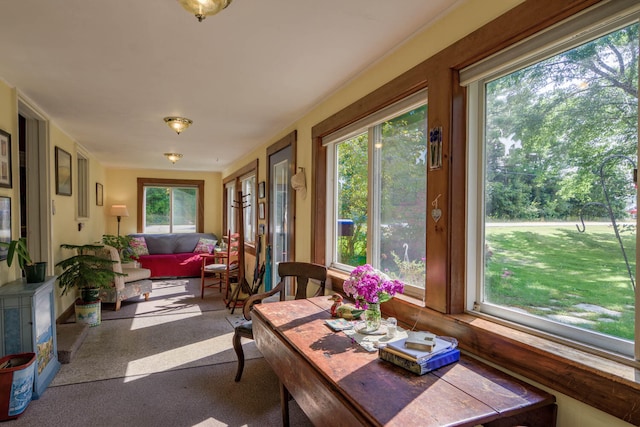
column 553, row 147
column 377, row 188
column 170, row 209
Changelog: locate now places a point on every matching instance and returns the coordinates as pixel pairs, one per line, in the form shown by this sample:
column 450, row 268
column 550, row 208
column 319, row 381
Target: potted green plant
column 122, row 244
column 35, row 272
column 87, row 271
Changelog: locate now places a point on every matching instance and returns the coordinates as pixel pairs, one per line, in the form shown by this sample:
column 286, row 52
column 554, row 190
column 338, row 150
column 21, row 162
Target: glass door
column 281, row 209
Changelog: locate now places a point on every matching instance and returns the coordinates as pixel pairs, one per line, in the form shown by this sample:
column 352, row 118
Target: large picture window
column 170, row 206
column 170, row 209
column 557, row 144
column 377, row 188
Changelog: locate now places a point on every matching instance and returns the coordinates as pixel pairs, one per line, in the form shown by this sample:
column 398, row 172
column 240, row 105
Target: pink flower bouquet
column 370, row 286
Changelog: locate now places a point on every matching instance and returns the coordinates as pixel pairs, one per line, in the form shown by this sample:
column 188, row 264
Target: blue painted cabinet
column 27, row 324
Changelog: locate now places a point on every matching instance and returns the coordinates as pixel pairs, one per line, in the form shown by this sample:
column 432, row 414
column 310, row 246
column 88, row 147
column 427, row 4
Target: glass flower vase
column 372, row 317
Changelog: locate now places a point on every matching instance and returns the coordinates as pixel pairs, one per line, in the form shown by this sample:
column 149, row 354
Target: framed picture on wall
column 261, row 210
column 5, row 224
column 99, row 194
column 63, row 172
column 261, row 190
column 5, row 159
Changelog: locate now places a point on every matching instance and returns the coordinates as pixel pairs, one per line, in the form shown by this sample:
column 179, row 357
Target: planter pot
column 36, row 273
column 90, row 294
column 88, row 312
column 16, row 384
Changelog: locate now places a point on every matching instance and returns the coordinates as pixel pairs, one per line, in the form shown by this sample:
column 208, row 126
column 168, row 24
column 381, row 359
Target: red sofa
column 174, row 254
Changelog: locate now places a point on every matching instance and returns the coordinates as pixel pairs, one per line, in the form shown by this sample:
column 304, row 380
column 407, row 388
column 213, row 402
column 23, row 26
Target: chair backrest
column 299, row 272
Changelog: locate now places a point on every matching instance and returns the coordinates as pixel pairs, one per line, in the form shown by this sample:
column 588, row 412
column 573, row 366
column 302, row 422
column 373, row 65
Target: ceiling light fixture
column 203, row 8
column 178, row 123
column 173, row 157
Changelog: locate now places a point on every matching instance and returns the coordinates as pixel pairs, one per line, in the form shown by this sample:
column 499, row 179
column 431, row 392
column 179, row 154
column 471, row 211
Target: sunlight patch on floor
column 178, row 357
column 142, row 322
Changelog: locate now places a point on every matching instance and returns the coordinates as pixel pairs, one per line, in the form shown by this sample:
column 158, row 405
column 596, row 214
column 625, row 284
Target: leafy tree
column 551, row 125
column 352, row 198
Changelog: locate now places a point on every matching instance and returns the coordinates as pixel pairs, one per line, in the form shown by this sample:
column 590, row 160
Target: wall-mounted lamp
column 299, row 183
column 119, row 211
column 178, row 123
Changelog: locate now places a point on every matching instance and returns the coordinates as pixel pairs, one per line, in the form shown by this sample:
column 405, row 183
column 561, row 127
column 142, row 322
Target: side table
column 27, row 325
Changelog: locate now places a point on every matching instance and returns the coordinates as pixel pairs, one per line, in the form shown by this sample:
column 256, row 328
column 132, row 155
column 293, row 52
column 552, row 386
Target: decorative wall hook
column 436, row 212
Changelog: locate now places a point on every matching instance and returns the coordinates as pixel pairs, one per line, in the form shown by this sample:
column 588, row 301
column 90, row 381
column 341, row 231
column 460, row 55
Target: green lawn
column 550, row 270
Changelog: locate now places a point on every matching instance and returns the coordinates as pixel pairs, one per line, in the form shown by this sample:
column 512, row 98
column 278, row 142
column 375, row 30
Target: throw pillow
column 205, row 245
column 139, row 246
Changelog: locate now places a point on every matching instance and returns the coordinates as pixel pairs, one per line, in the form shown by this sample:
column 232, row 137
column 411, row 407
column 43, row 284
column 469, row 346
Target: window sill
column 609, row 385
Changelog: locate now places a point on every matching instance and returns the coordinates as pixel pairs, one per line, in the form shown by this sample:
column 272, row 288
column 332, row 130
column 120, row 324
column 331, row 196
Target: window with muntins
column 552, row 216
column 377, row 178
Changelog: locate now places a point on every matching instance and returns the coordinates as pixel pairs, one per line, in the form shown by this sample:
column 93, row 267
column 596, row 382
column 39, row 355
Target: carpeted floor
column 165, row 362
column 168, row 297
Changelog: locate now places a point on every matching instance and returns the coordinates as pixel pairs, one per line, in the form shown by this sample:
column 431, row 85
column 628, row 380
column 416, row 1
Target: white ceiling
column 107, row 72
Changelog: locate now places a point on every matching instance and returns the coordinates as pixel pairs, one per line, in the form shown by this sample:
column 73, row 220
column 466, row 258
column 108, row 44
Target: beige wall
column 9, row 123
column 121, row 188
column 64, row 222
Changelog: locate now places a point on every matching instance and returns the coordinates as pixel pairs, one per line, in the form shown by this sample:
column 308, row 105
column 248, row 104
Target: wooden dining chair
column 298, row 273
column 222, row 266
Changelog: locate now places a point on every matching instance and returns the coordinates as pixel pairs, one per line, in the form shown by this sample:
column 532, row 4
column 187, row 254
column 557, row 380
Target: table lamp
column 119, row 211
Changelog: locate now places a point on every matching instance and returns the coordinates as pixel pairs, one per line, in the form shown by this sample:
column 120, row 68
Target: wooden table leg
column 284, row 403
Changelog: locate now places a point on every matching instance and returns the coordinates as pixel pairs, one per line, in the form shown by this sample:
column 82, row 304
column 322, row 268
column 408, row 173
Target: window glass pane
column 230, row 190
column 351, row 198
column 184, row 209
column 393, row 187
column 250, row 202
column 402, row 176
column 157, row 210
column 560, row 143
column 280, row 187
column 170, row 209
column 83, row 186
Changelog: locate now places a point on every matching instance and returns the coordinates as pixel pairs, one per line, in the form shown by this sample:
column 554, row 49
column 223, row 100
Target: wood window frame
column 604, row 381
column 199, row 184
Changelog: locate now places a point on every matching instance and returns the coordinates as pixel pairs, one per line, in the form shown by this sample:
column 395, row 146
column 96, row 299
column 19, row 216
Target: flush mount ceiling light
column 178, row 123
column 173, row 157
column 203, row 8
